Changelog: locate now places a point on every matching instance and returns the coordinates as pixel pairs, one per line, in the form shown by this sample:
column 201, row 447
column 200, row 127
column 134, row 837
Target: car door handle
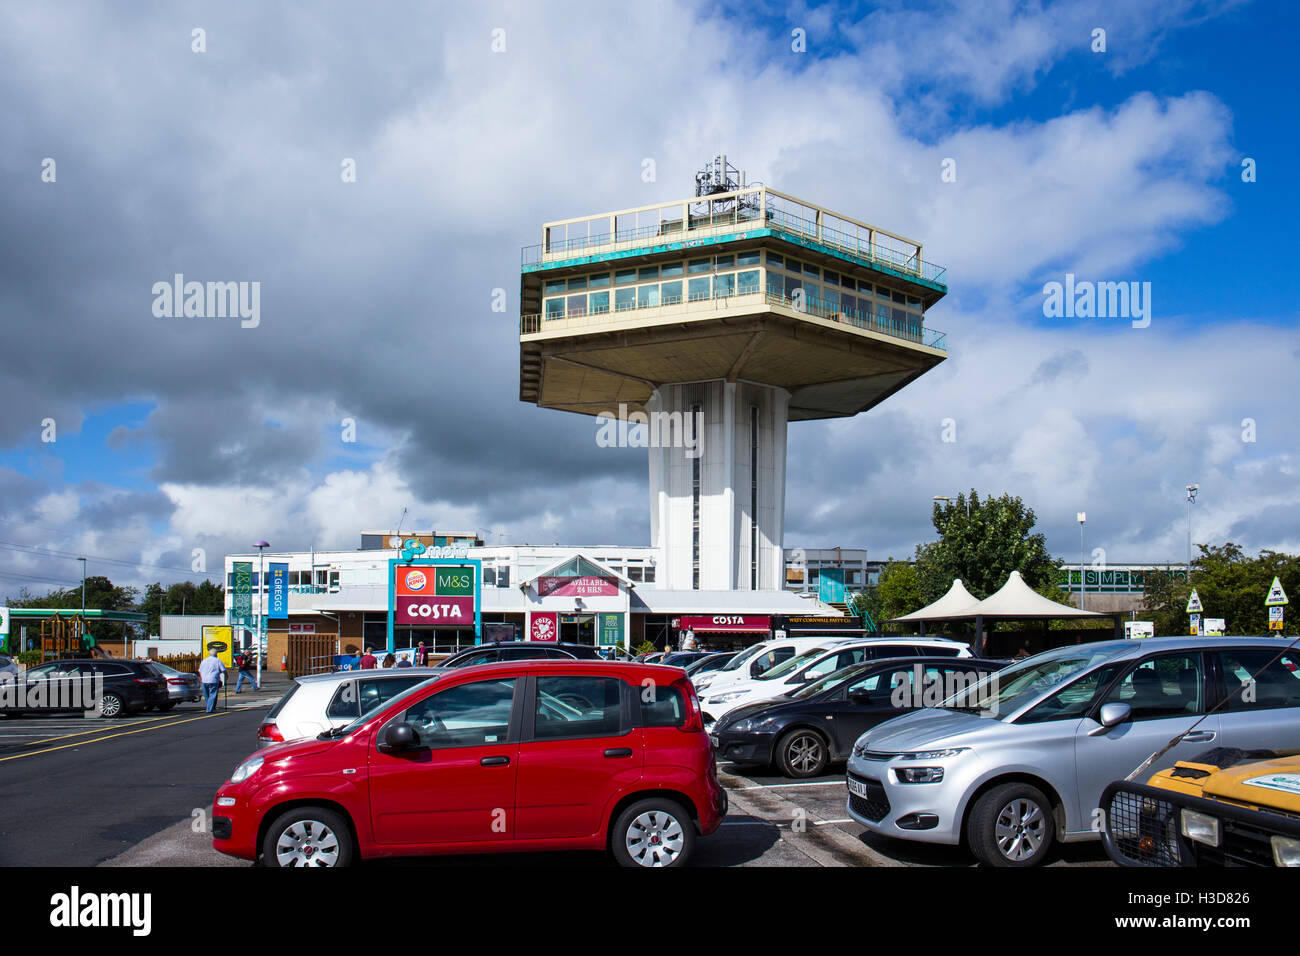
column 494, row 761
column 1200, row 737
column 619, row 752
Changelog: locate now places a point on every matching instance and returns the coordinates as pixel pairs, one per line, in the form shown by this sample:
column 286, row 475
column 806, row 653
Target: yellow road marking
column 98, row 730
column 125, row 733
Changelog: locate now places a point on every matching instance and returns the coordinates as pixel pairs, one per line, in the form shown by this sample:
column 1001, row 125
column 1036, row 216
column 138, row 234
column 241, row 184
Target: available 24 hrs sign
column 431, row 594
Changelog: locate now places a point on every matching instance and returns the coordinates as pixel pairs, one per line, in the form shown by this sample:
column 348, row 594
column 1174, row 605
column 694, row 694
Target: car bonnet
column 927, row 729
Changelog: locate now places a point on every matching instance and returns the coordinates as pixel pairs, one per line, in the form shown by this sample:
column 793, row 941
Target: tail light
column 147, row 680
column 694, row 722
column 270, row 732
column 177, row 681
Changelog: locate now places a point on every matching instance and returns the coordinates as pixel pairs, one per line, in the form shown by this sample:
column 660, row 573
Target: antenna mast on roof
column 718, row 177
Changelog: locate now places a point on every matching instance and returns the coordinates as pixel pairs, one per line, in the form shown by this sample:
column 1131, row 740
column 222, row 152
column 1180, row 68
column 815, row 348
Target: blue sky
column 1123, row 165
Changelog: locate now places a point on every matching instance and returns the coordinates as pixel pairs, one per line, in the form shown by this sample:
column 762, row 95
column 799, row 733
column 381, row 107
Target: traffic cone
column 284, row 662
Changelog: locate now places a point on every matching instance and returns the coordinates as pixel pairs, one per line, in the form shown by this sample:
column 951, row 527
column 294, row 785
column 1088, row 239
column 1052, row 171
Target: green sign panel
column 241, row 605
column 611, row 630
column 453, row 581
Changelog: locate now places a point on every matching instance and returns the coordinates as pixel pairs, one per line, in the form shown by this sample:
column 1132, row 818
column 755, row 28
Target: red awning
column 745, row 623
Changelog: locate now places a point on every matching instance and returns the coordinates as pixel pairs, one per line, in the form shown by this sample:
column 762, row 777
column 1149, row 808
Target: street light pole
column 83, row 598
column 1191, row 496
column 1082, row 517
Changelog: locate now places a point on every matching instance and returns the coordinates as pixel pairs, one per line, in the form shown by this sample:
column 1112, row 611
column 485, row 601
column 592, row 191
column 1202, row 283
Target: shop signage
column 278, row 598
column 611, row 629
column 576, row 587
column 725, row 622
column 432, row 595
column 544, row 626
column 302, row 628
column 241, row 603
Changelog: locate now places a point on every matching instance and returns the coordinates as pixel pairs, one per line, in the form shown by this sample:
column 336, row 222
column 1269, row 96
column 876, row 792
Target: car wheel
column 653, row 833
column 1011, row 826
column 111, row 705
column 308, row 836
column 802, row 753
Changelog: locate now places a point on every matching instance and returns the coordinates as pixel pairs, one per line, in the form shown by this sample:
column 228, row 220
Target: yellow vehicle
column 1227, row 807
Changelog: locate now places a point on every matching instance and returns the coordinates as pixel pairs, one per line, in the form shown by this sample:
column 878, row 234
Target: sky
column 379, row 377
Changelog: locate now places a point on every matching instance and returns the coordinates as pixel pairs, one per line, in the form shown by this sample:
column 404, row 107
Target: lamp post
column 1191, row 496
column 949, row 500
column 1081, row 517
column 261, row 608
column 83, row 598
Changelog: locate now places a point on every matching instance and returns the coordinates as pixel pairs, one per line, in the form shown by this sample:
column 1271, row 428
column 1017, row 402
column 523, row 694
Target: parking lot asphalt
column 817, row 806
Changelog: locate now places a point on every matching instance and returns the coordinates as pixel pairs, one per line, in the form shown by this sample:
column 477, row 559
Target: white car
column 320, row 702
column 762, row 657
column 814, row 664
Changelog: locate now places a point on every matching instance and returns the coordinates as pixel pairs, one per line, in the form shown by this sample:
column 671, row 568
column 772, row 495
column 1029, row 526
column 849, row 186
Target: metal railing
column 531, row 324
column 873, row 255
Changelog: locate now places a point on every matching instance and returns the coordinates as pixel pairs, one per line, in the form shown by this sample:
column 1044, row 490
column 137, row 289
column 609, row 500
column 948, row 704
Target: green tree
column 899, row 590
column 1230, row 585
column 982, row 541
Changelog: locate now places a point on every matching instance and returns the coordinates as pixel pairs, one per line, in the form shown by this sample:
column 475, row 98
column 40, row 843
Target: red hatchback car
column 531, row 755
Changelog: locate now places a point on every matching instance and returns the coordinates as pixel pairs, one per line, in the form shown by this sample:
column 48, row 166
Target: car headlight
column 934, row 754
column 919, row 774
column 702, row 682
column 1286, row 851
column 246, row 769
column 742, row 726
column 730, row 696
column 1200, row 827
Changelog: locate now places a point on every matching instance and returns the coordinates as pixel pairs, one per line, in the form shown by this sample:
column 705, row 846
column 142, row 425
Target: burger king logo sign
column 416, row 580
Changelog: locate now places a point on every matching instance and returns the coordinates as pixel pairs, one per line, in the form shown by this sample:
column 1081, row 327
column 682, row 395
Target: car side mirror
column 398, row 737
column 1111, row 715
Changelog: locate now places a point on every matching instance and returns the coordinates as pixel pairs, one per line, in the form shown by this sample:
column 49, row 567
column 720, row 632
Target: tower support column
column 717, row 484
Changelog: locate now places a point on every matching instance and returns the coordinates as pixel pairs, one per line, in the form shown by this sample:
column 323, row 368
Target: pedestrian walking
column 368, row 662
column 244, row 661
column 211, row 674
column 421, row 655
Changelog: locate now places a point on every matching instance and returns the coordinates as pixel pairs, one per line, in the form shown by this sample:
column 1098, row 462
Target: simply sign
column 1194, row 603
column 1276, row 596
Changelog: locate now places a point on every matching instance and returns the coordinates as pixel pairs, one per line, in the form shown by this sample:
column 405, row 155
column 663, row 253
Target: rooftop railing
column 908, row 331
column 756, row 208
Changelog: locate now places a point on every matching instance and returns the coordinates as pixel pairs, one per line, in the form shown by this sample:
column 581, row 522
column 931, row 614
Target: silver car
column 1021, row 759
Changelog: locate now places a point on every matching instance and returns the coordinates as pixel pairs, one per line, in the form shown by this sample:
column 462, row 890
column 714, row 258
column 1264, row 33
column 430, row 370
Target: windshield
column 1006, row 691
column 400, row 698
column 829, row 682
column 743, row 657
column 792, row 665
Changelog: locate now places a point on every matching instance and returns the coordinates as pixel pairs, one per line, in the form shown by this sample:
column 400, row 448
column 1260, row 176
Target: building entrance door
column 578, row 628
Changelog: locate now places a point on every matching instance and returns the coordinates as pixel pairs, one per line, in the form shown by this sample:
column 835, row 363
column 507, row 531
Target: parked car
column 8, row 669
column 316, row 703
column 814, row 664
column 519, row 651
column 1223, row 808
column 762, row 657
column 682, row 659
column 1021, row 760
column 118, row 687
column 584, row 757
column 181, row 687
column 805, row 730
column 709, row 662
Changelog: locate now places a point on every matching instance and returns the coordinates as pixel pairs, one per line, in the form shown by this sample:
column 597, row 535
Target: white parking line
column 777, row 786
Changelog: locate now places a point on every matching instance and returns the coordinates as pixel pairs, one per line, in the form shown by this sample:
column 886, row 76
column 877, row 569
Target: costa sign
column 726, row 622
column 433, row 595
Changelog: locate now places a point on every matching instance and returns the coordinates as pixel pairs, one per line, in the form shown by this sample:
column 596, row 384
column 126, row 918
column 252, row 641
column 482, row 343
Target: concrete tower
column 719, row 319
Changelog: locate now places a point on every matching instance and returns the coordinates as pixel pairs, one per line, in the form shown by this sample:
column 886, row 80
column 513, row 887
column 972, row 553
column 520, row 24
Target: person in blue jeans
column 211, row 673
column 245, row 664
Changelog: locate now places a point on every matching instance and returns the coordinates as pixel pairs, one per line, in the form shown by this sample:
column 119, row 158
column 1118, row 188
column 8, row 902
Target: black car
column 807, row 729
column 711, row 661
column 520, row 651
column 103, row 686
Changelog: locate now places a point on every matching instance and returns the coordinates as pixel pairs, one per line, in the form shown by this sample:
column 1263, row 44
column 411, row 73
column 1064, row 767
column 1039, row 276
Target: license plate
column 713, row 739
column 857, row 788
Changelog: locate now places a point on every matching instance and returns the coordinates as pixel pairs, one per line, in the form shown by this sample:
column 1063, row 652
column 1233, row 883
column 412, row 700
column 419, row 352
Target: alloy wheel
column 307, row 843
column 1020, row 829
column 804, row 752
column 654, row 838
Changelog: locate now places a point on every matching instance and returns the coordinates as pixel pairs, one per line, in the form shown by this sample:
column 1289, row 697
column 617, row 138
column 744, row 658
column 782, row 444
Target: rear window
column 279, row 704
column 662, row 706
column 935, row 650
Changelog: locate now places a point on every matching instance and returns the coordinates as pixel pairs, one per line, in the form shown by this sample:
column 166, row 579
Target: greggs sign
column 434, row 595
